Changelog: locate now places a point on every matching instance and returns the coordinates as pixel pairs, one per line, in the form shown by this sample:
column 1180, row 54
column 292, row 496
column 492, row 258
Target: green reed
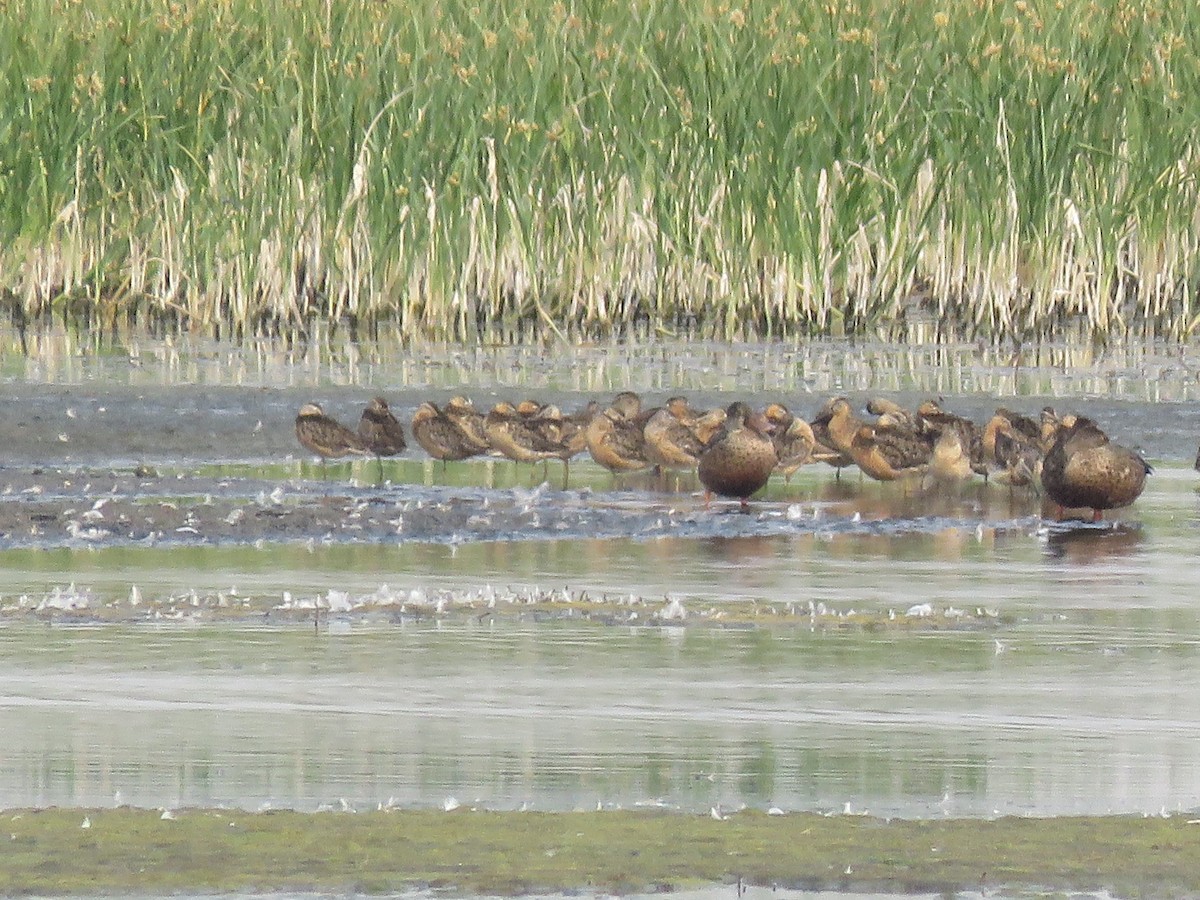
column 1004, row 169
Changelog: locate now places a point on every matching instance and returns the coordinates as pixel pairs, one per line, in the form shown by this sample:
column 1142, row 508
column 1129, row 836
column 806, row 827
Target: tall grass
column 459, row 170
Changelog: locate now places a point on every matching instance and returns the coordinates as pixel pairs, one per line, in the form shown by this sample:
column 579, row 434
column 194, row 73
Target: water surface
column 190, row 615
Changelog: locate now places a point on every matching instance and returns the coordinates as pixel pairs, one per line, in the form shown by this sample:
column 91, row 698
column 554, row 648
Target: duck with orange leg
column 740, row 458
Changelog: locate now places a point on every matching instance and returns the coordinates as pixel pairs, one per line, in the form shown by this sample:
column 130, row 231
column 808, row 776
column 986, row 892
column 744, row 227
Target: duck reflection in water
column 1087, row 543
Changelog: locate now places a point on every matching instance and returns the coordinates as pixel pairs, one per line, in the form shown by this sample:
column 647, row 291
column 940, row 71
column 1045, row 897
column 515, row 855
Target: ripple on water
column 471, row 632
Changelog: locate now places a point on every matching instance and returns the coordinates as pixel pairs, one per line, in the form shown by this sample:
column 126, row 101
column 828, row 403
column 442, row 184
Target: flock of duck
column 735, row 450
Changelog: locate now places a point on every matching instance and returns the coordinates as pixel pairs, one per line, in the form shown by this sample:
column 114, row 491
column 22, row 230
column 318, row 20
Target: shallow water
column 224, row 627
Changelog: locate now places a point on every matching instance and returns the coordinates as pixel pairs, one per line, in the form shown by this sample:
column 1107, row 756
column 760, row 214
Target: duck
column 846, row 426
column 675, row 434
column 628, row 404
column 931, row 416
column 892, row 411
column 740, row 458
column 838, row 422
column 325, row 436
column 1050, row 423
column 576, row 425
column 615, row 437
column 890, row 452
column 380, row 432
column 441, row 436
column 461, row 411
column 568, row 432
column 795, row 443
column 1012, row 446
column 556, row 427
column 949, row 463
column 510, row 430
column 1084, row 469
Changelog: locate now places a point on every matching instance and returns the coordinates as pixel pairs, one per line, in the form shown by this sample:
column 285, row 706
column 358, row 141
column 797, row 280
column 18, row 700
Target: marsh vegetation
column 517, row 853
column 1000, row 170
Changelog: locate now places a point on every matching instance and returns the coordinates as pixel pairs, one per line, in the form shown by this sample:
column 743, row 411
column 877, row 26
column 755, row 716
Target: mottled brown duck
column 1012, row 446
column 325, row 436
column 949, row 463
column 469, row 420
column 840, row 423
column 675, row 434
column 627, row 404
column 931, row 416
column 567, row 432
column 530, row 433
column 891, row 453
column 442, row 437
column 839, row 456
column 795, row 443
column 380, row 432
column 513, row 433
column 1084, row 470
column 893, row 411
column 570, row 430
column 1050, row 424
column 740, row 458
column 614, row 437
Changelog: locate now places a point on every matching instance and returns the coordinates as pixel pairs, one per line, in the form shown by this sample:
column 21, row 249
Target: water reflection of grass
column 47, row 852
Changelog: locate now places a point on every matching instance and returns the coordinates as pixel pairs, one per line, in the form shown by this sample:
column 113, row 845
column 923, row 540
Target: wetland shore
column 167, row 553
column 111, row 851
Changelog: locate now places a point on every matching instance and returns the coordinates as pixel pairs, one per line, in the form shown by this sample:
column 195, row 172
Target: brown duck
column 380, row 432
column 932, row 417
column 882, row 406
column 675, row 434
column 1051, row 422
column 949, row 463
column 835, row 427
column 738, row 461
column 441, row 437
column 890, row 452
column 558, row 429
column 574, row 426
column 795, row 443
column 1012, row 446
column 1083, row 469
column 567, row 431
column 614, row 437
column 461, row 411
column 325, row 436
column 513, row 433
